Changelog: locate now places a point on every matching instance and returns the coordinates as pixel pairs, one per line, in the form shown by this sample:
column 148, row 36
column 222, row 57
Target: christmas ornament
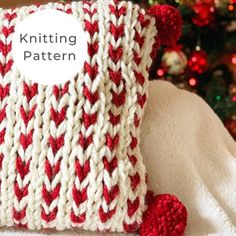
column 174, row 61
column 204, row 13
column 198, row 61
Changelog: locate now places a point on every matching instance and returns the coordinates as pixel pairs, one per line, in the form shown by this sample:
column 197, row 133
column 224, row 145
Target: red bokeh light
column 192, row 82
column 160, row 72
column 233, row 59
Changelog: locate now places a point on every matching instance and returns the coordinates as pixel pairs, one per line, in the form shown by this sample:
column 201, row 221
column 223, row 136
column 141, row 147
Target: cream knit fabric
column 69, row 154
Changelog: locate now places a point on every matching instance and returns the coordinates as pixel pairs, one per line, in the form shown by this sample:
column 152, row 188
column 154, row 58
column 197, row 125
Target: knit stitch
column 69, row 154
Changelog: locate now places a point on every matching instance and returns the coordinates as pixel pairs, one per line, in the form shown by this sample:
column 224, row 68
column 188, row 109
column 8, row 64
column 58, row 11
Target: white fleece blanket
column 189, row 153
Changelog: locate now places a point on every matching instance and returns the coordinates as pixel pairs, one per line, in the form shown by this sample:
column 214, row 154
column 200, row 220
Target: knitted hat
column 69, row 154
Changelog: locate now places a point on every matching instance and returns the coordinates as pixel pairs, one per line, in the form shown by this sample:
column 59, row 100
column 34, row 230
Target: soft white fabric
column 189, row 153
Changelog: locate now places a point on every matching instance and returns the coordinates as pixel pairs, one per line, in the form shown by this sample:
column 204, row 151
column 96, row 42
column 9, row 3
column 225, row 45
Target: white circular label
column 49, row 47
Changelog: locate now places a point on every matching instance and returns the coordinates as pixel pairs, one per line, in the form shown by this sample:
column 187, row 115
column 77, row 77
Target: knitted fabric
column 69, row 154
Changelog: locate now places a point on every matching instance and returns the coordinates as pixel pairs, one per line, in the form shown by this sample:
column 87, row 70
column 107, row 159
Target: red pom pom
column 165, row 216
column 168, row 23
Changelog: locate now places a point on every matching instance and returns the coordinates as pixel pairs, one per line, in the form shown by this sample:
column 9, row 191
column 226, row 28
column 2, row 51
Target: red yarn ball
column 165, row 216
column 168, row 23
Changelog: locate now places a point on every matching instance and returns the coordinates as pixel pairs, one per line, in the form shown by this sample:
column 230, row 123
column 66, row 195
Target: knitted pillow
column 69, row 154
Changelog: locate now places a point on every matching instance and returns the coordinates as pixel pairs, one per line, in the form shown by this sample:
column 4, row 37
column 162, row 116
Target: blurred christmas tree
column 204, row 61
